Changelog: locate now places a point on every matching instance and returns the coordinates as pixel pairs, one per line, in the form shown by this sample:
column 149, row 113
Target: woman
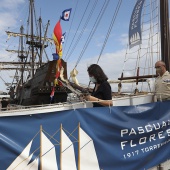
column 102, row 93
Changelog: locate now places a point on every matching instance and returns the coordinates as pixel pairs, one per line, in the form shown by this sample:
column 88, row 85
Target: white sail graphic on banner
column 22, row 160
column 87, row 158
column 67, row 153
column 48, row 157
column 33, row 165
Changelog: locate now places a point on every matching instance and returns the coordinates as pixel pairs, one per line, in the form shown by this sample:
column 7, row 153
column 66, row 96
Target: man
column 4, row 104
column 162, row 82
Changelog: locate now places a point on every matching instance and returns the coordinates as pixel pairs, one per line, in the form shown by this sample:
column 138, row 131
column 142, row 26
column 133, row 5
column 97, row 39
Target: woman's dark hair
column 96, row 71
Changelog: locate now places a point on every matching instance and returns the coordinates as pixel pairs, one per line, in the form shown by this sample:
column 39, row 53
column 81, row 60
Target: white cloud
column 8, row 14
column 11, row 4
column 7, row 20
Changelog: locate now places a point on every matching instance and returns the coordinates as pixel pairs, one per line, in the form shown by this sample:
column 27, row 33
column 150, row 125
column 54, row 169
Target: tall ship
column 35, row 74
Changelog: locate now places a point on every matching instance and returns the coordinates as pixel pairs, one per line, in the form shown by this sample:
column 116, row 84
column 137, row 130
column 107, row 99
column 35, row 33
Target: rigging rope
column 77, row 29
column 2, row 79
column 67, row 37
column 93, row 30
column 145, row 53
column 82, row 31
column 110, row 28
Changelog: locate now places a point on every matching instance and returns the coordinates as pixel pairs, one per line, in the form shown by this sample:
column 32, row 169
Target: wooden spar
column 43, row 46
column 50, row 40
column 137, row 77
column 17, row 63
column 126, row 81
column 165, row 37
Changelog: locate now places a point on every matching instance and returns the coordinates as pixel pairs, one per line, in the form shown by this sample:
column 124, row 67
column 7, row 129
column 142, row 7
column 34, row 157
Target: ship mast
column 33, row 42
column 21, row 54
column 165, row 39
column 32, row 36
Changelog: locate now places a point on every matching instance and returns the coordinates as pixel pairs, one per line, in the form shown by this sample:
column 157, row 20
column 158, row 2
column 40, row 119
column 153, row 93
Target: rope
column 110, row 28
column 148, row 51
column 95, row 26
column 67, row 37
column 85, row 25
column 77, row 29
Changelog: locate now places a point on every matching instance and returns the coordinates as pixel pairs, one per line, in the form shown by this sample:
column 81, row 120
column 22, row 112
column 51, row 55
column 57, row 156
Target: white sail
column 48, row 154
column 88, row 157
column 22, row 160
column 68, row 156
column 33, row 165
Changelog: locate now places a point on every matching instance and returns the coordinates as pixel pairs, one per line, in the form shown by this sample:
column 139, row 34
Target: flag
column 66, row 14
column 52, row 94
column 63, row 38
column 55, row 56
column 57, row 34
column 135, row 25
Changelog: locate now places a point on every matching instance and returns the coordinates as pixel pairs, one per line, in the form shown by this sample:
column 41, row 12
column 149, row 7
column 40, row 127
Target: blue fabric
column 55, row 56
column 125, row 137
column 135, row 25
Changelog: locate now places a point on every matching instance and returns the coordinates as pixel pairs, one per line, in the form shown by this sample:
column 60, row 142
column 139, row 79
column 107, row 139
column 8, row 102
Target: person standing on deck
column 102, row 93
column 4, row 104
column 162, row 82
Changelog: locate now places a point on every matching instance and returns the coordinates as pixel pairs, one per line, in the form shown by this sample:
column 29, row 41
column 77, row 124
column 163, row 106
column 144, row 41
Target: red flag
column 57, row 34
column 52, row 93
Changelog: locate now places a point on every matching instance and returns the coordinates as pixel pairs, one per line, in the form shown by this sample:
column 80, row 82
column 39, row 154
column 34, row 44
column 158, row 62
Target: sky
column 13, row 13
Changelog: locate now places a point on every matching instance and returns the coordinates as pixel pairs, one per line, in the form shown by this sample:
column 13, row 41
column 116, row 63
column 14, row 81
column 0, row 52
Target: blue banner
column 115, row 138
column 135, row 25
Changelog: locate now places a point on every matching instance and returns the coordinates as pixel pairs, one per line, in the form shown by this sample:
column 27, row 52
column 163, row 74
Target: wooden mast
column 32, row 36
column 165, row 39
column 21, row 54
column 40, row 23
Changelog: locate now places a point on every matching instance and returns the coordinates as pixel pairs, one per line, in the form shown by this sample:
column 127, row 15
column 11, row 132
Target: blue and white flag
column 66, row 14
column 63, row 38
column 135, row 25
